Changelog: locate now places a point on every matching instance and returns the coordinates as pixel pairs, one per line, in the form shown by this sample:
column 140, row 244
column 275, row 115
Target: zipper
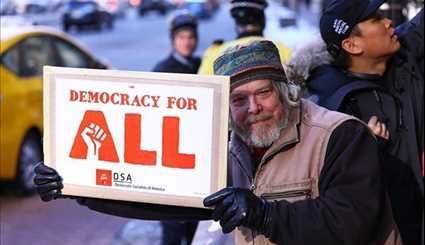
column 287, row 194
column 383, row 117
column 252, row 187
column 266, row 158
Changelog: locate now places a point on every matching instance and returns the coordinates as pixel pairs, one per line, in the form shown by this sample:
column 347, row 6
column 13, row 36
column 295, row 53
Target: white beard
column 264, row 137
column 261, row 137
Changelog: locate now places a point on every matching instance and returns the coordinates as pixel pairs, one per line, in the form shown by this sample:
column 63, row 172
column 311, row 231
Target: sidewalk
column 140, row 232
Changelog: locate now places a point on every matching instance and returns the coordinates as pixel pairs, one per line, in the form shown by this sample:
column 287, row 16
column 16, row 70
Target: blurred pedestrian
column 376, row 75
column 184, row 39
column 250, row 22
column 298, row 173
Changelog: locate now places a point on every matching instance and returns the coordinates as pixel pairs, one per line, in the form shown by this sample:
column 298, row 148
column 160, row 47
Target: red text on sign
column 133, row 135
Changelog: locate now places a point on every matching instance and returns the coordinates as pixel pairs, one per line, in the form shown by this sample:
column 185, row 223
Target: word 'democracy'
column 94, row 139
column 125, row 99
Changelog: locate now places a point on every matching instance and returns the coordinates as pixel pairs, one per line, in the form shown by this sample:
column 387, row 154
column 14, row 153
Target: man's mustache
column 258, row 118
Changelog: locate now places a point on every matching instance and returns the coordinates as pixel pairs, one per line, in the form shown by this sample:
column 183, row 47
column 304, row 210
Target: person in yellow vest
column 250, row 22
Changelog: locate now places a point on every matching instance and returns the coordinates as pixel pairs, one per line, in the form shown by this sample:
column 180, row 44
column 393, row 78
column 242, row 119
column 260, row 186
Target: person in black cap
column 184, row 40
column 250, row 22
column 297, row 172
column 377, row 75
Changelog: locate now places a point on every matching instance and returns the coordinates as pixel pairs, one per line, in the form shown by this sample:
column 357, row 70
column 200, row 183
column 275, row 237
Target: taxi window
column 36, row 52
column 11, row 60
column 70, row 55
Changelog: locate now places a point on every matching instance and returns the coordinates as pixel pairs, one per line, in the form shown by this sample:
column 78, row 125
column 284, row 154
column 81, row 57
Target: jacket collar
column 363, row 76
column 250, row 34
column 182, row 60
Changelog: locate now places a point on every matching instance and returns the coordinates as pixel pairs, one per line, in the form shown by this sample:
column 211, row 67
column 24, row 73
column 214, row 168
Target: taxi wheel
column 30, row 154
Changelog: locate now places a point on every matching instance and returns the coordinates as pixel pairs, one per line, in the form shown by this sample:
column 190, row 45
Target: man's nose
column 254, row 106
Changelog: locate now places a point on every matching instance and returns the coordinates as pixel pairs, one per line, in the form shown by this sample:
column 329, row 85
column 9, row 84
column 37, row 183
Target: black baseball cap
column 183, row 20
column 339, row 18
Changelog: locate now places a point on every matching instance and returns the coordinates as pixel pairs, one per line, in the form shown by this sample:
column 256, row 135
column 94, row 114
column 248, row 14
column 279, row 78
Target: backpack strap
column 334, row 101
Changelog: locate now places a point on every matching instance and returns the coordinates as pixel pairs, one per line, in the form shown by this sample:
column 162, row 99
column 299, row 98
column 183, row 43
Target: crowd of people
column 326, row 143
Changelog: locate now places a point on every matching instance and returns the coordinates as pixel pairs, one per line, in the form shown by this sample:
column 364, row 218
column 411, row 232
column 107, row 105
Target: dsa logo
column 103, row 177
column 122, row 178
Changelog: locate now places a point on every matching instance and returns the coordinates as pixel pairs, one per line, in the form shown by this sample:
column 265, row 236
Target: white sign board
column 136, row 136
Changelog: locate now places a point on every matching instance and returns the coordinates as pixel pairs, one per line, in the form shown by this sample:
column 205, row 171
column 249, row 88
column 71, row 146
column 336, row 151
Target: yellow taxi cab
column 23, row 53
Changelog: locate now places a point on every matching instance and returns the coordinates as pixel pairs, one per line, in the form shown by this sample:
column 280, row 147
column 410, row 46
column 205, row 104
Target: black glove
column 48, row 182
column 235, row 207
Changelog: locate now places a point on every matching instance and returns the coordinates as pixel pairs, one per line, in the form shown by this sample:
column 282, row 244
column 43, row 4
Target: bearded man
column 298, row 173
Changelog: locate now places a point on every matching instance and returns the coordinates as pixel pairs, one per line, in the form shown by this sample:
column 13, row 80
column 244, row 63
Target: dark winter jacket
column 405, row 80
column 397, row 100
column 176, row 63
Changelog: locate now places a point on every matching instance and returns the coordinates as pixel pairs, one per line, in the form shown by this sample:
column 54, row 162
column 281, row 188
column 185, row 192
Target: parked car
column 36, row 6
column 202, row 9
column 86, row 14
column 161, row 6
column 117, row 8
column 23, row 53
column 7, row 7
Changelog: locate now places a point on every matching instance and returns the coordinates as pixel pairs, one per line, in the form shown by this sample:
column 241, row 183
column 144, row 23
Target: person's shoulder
column 321, row 117
column 241, row 41
column 215, row 45
column 165, row 65
column 326, row 79
column 218, row 42
column 197, row 61
column 282, row 47
column 208, row 58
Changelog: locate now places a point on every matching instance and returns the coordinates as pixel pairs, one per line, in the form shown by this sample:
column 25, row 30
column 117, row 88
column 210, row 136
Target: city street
column 136, row 43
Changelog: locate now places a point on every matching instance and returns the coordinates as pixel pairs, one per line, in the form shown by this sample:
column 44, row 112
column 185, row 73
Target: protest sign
column 136, row 136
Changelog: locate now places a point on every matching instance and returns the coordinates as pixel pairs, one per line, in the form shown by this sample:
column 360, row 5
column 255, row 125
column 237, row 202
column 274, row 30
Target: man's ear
column 351, row 46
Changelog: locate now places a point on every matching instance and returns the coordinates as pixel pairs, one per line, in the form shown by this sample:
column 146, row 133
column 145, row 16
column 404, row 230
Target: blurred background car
column 7, row 7
column 117, row 8
column 202, row 9
column 36, row 6
column 23, row 53
column 160, row 6
column 86, row 14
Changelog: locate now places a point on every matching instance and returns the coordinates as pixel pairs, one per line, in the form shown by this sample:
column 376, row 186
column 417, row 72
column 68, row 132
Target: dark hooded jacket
column 395, row 98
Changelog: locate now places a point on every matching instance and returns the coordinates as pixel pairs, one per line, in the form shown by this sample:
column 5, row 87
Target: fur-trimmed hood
column 305, row 59
column 311, row 68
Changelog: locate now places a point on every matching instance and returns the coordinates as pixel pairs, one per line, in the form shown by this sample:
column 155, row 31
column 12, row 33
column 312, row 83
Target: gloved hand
column 48, row 182
column 236, row 206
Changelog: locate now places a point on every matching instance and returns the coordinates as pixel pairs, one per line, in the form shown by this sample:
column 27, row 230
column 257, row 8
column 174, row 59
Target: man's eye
column 238, row 101
column 264, row 93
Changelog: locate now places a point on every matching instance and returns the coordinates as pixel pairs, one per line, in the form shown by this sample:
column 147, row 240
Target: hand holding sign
column 93, row 136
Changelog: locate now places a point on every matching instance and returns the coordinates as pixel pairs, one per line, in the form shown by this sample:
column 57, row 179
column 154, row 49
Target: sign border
column 219, row 151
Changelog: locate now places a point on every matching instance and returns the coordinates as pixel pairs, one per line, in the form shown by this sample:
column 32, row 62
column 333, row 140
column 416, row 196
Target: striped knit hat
column 257, row 60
